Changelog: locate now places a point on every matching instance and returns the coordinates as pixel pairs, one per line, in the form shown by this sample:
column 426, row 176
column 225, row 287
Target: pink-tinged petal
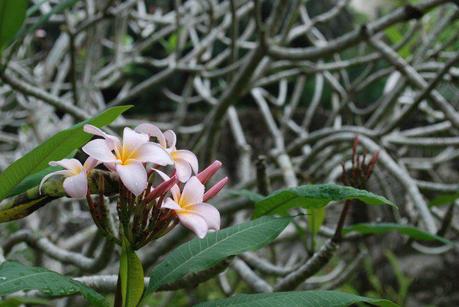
column 112, row 140
column 76, row 186
column 99, row 150
column 209, row 171
column 209, row 213
column 192, row 193
column 215, row 189
column 194, row 222
column 152, row 131
column 170, row 204
column 171, row 138
column 133, row 140
column 90, row 163
column 69, row 164
column 151, row 152
column 134, row 177
column 183, row 170
column 187, row 156
column 62, row 172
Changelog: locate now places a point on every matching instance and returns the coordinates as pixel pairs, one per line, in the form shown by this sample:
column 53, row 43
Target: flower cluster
column 146, row 210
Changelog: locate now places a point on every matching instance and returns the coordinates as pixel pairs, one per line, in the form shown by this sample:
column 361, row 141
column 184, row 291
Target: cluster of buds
column 361, row 169
column 150, row 202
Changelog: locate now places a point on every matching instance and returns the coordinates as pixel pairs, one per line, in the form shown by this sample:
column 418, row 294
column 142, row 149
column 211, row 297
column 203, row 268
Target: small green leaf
column 297, row 298
column 315, row 219
column 250, row 195
column 382, row 228
column 131, row 273
column 444, row 199
column 200, row 254
column 12, row 15
column 56, row 147
column 313, row 197
column 15, row 277
column 18, row 301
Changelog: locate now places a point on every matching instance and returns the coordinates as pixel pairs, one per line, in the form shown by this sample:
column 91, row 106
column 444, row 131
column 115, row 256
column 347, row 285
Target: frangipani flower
column 192, row 212
column 126, row 157
column 185, row 161
column 76, row 181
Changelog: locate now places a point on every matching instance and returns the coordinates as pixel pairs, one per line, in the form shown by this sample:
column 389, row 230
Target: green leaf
column 250, row 195
column 298, row 299
column 131, row 273
column 12, row 15
column 315, row 219
column 313, row 197
column 444, row 199
column 57, row 9
column 382, row 228
column 200, row 254
column 56, row 147
column 15, row 276
column 18, row 301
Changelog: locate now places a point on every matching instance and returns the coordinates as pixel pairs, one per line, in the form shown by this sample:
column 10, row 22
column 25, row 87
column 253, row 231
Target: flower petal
column 152, row 131
column 134, row 177
column 69, row 164
column 62, row 172
column 183, row 170
column 187, row 156
column 192, row 193
column 151, row 152
column 90, row 163
column 99, row 150
column 132, row 141
column 194, row 222
column 170, row 204
column 112, row 140
column 209, row 213
column 171, row 138
column 76, row 186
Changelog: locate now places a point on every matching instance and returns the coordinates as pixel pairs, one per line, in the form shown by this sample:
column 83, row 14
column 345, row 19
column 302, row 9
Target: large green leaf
column 313, row 197
column 200, row 254
column 56, row 147
column 12, row 15
column 18, row 277
column 131, row 273
column 298, row 299
column 381, row 228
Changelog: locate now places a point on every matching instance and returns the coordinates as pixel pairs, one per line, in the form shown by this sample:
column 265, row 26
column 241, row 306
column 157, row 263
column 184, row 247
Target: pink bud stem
column 215, row 189
column 209, row 171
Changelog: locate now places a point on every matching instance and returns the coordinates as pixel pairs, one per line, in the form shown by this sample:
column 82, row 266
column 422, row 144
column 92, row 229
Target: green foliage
column 17, row 301
column 18, row 277
column 382, row 228
column 56, row 147
column 313, row 197
column 250, row 195
column 444, row 199
column 131, row 274
column 298, row 298
column 404, row 282
column 200, row 254
column 12, row 15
